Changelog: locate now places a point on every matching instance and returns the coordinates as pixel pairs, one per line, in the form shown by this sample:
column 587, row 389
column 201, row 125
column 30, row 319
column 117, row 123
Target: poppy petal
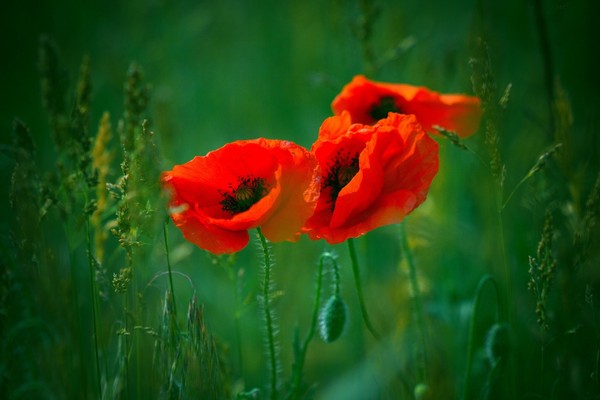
column 396, row 165
column 369, row 101
column 210, row 237
column 243, row 185
column 361, row 191
column 297, row 203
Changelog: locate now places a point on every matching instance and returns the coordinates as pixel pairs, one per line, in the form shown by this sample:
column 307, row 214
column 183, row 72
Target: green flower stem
column 336, row 277
column 470, row 345
column 311, row 332
column 169, row 266
column 268, row 314
column 365, row 315
column 361, row 301
column 94, row 303
column 315, row 315
column 416, row 303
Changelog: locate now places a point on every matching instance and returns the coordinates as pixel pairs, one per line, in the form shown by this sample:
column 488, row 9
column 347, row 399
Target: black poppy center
column 249, row 191
column 339, row 173
column 386, row 105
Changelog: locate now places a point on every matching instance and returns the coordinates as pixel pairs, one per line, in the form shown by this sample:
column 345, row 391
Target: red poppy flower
column 371, row 175
column 368, row 102
column 243, row 185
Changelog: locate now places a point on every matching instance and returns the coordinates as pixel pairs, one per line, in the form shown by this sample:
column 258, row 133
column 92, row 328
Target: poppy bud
column 332, row 319
column 422, row 392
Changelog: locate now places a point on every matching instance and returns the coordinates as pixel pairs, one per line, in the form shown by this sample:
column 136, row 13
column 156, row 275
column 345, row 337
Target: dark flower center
column 248, row 192
column 386, row 105
column 339, row 173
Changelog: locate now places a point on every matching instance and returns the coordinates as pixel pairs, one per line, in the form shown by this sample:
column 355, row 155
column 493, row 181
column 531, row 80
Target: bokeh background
column 226, row 70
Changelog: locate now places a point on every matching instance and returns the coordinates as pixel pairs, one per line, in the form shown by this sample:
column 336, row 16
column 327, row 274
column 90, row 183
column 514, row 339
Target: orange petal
column 210, row 237
column 298, row 199
column 334, row 127
column 360, row 193
column 456, row 112
column 396, row 167
column 201, row 185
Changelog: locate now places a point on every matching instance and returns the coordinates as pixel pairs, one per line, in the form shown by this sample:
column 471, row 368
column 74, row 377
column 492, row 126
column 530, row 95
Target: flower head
column 243, row 185
column 369, row 101
column 371, row 175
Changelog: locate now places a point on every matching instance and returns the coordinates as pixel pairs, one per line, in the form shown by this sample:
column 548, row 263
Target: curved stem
column 313, row 327
column 315, row 314
column 517, row 186
column 336, row 276
column 169, row 267
column 506, row 302
column 361, row 301
column 470, row 345
column 268, row 314
column 416, row 300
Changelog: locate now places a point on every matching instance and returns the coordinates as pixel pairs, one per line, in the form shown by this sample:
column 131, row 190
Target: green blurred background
column 227, row 70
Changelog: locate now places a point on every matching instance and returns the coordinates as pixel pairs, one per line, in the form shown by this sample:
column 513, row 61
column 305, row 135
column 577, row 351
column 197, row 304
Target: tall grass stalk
column 485, row 87
column 537, row 167
column 507, row 302
column 125, row 274
column 75, row 309
column 94, row 294
column 169, row 265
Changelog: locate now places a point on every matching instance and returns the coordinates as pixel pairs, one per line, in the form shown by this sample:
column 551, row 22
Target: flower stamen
column 248, row 192
column 339, row 173
column 386, row 105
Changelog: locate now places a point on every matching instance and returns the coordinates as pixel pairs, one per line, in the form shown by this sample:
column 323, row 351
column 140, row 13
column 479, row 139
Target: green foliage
column 485, row 87
column 541, row 270
column 188, row 362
